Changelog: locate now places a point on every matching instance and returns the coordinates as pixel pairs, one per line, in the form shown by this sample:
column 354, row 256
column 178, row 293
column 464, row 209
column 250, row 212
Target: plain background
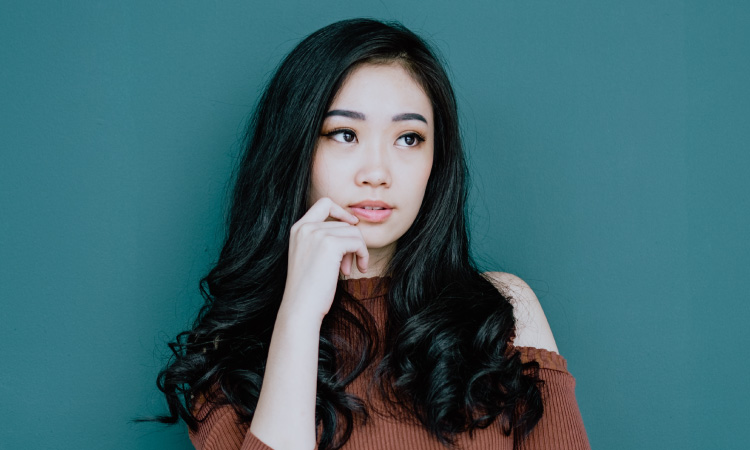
column 609, row 148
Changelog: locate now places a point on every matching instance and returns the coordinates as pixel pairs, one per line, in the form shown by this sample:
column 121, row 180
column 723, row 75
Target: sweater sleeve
column 561, row 425
column 219, row 429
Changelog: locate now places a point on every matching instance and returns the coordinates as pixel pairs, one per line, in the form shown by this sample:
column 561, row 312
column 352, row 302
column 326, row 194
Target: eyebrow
column 409, row 116
column 360, row 116
column 345, row 113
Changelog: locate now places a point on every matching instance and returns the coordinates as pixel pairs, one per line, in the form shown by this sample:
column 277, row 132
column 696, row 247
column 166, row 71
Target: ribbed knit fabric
column 561, row 426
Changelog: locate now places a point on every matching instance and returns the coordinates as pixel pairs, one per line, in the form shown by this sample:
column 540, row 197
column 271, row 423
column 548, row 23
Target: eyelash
column 419, row 138
column 413, row 134
column 332, row 133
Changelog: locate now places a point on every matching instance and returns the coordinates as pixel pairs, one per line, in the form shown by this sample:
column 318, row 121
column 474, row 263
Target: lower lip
column 372, row 215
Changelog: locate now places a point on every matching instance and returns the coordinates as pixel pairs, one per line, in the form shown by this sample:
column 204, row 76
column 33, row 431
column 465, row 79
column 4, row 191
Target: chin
column 377, row 244
column 377, row 241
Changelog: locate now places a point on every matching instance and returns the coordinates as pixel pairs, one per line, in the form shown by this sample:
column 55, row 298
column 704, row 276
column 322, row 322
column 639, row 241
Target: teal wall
column 609, row 143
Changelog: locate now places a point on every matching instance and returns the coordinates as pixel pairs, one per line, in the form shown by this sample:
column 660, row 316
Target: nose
column 374, row 168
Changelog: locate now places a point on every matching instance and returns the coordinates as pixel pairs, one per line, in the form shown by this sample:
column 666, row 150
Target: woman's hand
column 322, row 243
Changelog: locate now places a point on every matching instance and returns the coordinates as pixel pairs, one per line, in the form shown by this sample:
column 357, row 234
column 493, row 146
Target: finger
column 356, row 246
column 325, row 208
column 362, row 256
column 325, row 228
column 330, row 225
column 331, row 229
column 337, row 212
column 358, row 261
column 346, row 264
column 354, row 243
column 363, row 259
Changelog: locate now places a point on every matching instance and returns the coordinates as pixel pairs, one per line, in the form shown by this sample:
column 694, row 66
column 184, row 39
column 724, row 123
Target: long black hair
column 448, row 360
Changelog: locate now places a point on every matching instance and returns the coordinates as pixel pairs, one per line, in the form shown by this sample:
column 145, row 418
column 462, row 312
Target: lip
column 372, row 215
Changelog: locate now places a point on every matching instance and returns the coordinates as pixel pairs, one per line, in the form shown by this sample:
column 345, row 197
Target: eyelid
column 420, row 138
column 337, row 131
column 414, row 133
column 341, row 130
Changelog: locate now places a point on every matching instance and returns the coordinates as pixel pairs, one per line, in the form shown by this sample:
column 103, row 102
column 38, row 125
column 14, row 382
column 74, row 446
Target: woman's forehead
column 382, row 89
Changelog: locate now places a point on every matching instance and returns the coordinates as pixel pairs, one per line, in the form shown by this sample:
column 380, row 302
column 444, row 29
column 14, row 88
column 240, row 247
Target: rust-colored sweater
column 561, row 426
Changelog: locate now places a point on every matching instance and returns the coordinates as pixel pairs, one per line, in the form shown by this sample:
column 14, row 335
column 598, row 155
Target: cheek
column 415, row 182
column 423, row 175
column 317, row 185
column 322, row 180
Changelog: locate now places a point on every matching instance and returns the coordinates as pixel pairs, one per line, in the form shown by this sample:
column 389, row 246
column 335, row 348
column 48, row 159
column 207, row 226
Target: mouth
column 373, row 211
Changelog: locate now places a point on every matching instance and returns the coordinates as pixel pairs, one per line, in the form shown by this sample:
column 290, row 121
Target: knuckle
column 325, row 240
column 304, row 229
column 330, row 243
column 324, row 245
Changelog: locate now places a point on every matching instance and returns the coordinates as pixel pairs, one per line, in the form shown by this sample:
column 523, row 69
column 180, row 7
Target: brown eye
column 410, row 140
column 344, row 136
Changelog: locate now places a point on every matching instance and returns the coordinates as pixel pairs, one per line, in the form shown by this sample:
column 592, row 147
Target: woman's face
column 375, row 150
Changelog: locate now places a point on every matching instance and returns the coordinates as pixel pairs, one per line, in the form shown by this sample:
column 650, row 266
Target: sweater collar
column 366, row 288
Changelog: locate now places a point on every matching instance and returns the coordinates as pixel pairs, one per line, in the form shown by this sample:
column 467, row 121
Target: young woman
column 344, row 309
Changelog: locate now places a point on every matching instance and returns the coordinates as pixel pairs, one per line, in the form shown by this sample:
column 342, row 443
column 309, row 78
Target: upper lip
column 371, row 203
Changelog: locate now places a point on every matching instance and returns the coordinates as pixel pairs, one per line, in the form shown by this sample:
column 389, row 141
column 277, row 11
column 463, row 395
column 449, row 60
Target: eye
column 410, row 140
column 343, row 135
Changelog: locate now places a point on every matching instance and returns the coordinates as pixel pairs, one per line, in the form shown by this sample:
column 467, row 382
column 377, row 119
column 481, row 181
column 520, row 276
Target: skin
column 532, row 328
column 379, row 148
column 374, row 146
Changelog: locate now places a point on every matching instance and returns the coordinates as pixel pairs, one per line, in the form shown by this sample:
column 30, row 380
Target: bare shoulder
column 532, row 328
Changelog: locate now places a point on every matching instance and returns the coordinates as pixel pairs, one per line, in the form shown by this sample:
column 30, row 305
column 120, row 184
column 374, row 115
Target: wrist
column 298, row 319
column 305, row 305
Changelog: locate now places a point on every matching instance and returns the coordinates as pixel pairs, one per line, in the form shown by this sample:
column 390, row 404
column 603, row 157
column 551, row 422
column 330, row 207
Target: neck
column 379, row 259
